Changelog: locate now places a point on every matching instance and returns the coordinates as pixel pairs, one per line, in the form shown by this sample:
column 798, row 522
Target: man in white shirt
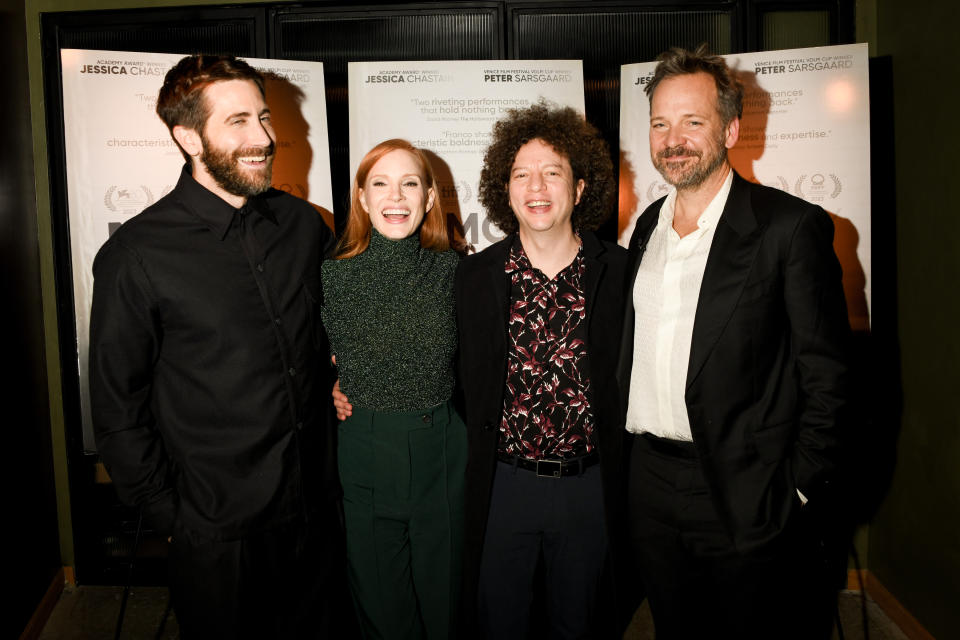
column 734, row 368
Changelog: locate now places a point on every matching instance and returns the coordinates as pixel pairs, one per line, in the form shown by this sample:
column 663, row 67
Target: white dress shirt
column 665, row 296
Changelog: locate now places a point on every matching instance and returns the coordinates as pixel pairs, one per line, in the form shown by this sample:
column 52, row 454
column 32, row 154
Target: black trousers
column 288, row 582
column 560, row 519
column 697, row 583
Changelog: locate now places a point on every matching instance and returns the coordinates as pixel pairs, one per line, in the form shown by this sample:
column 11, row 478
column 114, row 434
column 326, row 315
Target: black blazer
column 767, row 379
column 482, row 291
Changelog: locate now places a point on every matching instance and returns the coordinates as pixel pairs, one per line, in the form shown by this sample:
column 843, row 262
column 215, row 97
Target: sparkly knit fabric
column 389, row 315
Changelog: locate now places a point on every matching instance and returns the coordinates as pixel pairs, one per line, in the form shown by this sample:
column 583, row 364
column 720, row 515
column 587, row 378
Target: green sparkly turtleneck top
column 389, row 315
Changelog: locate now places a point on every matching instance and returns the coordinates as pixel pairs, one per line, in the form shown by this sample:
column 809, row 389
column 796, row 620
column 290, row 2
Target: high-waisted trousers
column 402, row 475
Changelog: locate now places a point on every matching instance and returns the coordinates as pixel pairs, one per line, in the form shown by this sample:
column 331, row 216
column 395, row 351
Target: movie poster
column 121, row 158
column 448, row 109
column 805, row 130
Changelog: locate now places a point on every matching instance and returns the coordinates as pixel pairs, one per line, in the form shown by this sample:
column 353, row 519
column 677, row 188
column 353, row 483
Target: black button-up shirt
column 546, row 411
column 209, row 378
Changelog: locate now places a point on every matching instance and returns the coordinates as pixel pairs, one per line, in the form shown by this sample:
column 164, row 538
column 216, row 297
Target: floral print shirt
column 546, row 411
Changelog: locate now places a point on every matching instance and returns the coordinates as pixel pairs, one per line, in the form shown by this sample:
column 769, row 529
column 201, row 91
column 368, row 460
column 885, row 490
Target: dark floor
column 90, row 613
column 881, row 627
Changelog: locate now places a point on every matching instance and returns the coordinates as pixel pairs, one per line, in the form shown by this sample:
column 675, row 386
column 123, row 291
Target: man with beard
column 733, row 364
column 208, row 372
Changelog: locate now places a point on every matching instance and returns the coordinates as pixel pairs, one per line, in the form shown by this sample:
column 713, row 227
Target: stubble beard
column 695, row 175
column 225, row 168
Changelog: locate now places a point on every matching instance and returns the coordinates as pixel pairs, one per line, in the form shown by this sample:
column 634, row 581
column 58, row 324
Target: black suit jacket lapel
column 500, row 284
column 732, row 253
column 638, row 241
column 593, row 251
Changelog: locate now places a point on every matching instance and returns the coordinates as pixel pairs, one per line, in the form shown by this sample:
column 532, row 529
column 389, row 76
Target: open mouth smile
column 395, row 216
column 254, row 157
column 253, row 161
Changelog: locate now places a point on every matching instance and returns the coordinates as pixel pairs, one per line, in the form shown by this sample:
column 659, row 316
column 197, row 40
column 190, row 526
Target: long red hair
column 438, row 232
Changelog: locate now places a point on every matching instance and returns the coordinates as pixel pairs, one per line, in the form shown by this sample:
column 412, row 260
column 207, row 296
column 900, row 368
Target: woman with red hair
column 388, row 308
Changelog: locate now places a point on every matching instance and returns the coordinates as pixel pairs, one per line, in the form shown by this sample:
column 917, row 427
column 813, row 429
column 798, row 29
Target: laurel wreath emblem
column 108, row 197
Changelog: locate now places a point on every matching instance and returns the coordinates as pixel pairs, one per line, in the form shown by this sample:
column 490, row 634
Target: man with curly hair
column 734, row 370
column 539, row 316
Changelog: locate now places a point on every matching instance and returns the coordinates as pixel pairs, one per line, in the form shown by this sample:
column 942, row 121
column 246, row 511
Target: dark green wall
column 31, row 547
column 915, row 537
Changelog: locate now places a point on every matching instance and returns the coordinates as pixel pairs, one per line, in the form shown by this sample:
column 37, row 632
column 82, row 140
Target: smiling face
column 233, row 155
column 688, row 138
column 542, row 190
column 394, row 195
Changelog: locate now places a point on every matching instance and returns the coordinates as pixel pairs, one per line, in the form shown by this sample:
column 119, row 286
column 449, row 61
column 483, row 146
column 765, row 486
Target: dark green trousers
column 402, row 476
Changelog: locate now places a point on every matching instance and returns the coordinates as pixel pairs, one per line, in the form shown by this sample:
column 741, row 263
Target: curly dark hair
column 572, row 137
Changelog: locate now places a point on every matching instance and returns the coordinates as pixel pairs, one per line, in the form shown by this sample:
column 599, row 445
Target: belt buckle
column 549, row 468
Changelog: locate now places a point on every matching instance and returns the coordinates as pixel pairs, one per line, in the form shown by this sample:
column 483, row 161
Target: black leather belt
column 552, row 468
